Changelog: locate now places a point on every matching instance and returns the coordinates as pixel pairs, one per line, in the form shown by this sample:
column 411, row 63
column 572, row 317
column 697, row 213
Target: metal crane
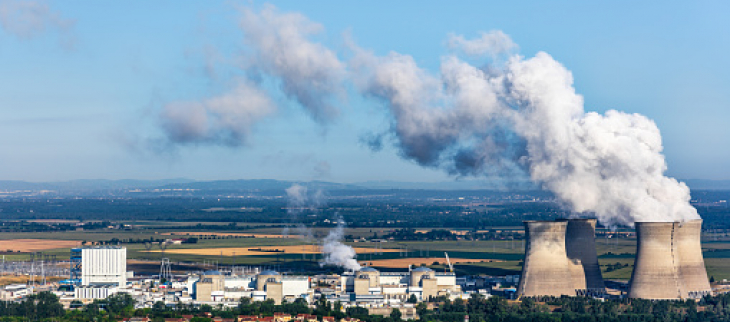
column 451, row 267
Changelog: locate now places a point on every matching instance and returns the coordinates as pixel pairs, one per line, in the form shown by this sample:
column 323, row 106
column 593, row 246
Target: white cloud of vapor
column 525, row 116
column 28, row 19
column 225, row 119
column 493, row 43
column 518, row 116
column 335, row 252
column 299, row 199
column 278, row 48
column 282, row 48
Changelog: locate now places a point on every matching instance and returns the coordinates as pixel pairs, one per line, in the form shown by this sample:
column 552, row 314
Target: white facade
column 95, row 291
column 104, row 265
column 294, row 285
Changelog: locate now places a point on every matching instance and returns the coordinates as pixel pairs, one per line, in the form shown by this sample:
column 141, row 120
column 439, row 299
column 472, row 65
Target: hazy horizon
column 88, row 86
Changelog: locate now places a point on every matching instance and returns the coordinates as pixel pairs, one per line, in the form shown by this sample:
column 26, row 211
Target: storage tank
column 266, row 276
column 692, row 272
column 546, row 270
column 580, row 247
column 418, row 274
column 655, row 274
column 371, row 274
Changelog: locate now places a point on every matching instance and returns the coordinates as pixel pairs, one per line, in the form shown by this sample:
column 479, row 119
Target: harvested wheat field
column 36, row 245
column 264, row 250
column 198, row 233
column 404, row 262
column 24, row 279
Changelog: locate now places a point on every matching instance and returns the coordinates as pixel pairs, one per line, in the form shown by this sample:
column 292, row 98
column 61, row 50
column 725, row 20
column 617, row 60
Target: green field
column 506, row 255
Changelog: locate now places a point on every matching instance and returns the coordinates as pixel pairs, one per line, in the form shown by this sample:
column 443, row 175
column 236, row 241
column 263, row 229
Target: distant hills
column 100, row 186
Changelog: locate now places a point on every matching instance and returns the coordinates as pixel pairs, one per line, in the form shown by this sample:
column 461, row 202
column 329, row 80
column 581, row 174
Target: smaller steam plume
column 300, row 199
column 337, row 253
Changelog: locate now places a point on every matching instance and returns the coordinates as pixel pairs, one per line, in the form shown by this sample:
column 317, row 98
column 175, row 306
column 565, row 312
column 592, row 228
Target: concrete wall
column 274, row 292
column 362, row 286
column 261, row 280
column 430, row 288
column 546, row 269
column 295, row 286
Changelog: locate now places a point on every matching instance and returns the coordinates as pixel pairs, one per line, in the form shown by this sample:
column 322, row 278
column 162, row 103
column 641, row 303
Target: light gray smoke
column 29, row 19
column 523, row 115
column 333, row 250
column 516, row 117
column 337, row 253
column 278, row 50
column 226, row 119
column 281, row 48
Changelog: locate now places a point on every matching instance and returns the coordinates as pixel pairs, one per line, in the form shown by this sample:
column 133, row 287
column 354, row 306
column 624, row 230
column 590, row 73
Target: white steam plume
column 308, row 72
column 278, row 48
column 523, row 115
column 28, row 19
column 515, row 117
column 226, row 119
column 333, row 250
column 337, row 253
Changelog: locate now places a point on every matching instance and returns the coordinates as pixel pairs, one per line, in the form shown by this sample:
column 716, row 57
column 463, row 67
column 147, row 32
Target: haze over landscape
column 202, row 92
column 299, row 161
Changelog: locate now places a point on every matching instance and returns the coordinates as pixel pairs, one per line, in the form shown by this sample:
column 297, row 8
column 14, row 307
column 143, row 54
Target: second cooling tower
column 669, row 263
column 580, row 246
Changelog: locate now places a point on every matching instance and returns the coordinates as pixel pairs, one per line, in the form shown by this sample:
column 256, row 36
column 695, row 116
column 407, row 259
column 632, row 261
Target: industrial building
column 212, row 286
column 371, row 285
column 560, row 259
column 104, row 265
column 367, row 285
column 669, row 263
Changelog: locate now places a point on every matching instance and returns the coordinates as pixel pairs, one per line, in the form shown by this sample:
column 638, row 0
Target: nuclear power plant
column 669, row 263
column 561, row 259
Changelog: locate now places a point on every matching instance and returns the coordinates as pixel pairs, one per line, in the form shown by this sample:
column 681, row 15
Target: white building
column 95, row 291
column 104, row 265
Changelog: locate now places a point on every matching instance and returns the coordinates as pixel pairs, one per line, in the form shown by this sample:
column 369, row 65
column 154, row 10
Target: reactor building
column 560, row 259
column 669, row 263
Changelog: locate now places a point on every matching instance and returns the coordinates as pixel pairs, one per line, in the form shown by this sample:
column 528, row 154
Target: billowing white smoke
column 515, row 117
column 333, row 250
column 337, row 253
column 226, row 119
column 280, row 51
column 523, row 114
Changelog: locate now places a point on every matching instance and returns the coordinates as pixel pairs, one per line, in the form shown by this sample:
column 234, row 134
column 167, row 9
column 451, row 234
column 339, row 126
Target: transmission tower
column 165, row 271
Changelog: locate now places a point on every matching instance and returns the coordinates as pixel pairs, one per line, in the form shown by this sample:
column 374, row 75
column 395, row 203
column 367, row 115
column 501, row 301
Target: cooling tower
column 655, row 274
column 580, row 246
column 546, row 270
column 692, row 272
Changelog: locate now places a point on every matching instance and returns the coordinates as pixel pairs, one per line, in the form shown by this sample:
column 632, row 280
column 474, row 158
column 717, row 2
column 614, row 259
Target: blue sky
column 82, row 88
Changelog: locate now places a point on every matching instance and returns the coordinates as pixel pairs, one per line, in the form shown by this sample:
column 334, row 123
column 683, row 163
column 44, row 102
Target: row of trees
column 46, row 307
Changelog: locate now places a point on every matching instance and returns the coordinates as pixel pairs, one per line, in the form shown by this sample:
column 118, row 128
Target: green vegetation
column 45, row 307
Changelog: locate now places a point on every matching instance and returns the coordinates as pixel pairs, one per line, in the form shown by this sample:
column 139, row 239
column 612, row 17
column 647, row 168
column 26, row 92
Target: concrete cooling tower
column 546, row 270
column 669, row 263
column 655, row 268
column 692, row 272
column 580, row 246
